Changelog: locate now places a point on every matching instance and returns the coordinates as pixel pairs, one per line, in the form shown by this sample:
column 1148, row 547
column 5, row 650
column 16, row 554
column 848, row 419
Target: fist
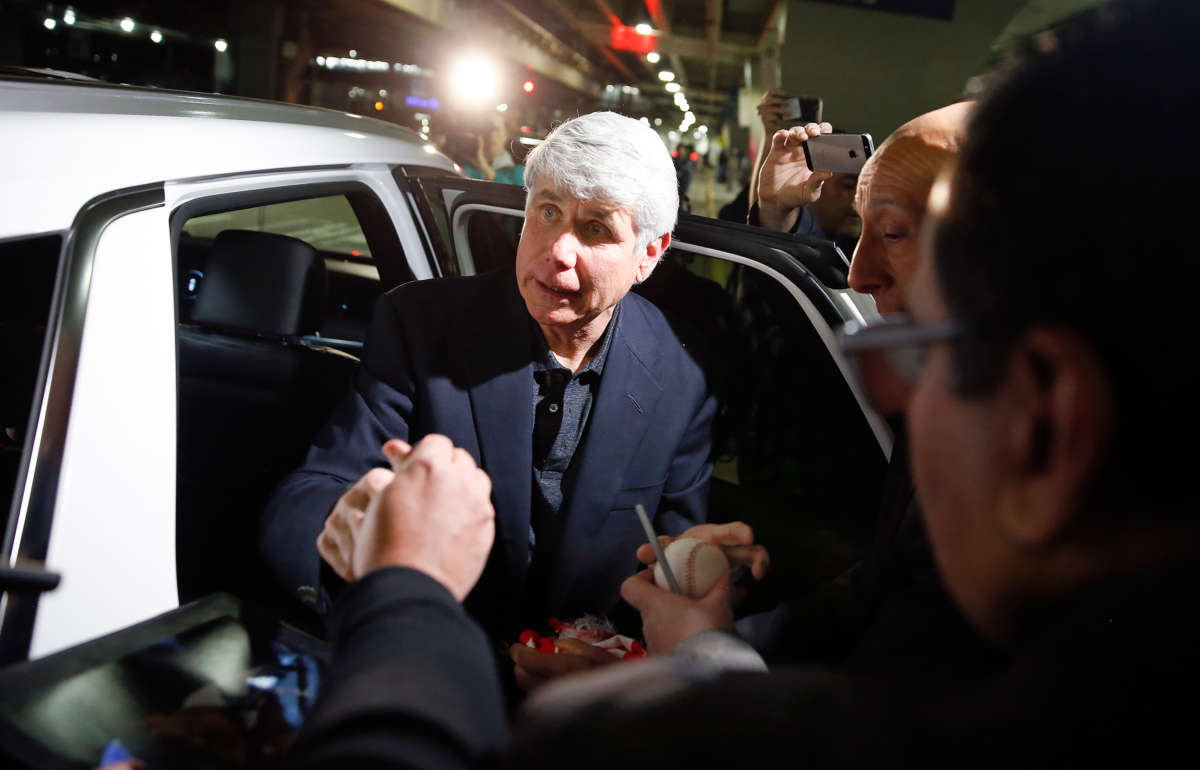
column 435, row 515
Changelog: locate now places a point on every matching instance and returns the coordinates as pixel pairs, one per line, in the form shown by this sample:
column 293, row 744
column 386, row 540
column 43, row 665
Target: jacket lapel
column 623, row 410
column 503, row 415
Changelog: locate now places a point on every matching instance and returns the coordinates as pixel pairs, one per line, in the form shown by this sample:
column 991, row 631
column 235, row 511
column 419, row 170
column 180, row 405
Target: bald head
column 891, row 197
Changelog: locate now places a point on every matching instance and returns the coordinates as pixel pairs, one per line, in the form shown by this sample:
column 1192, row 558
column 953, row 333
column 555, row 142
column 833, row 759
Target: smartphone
column 844, row 153
column 801, row 110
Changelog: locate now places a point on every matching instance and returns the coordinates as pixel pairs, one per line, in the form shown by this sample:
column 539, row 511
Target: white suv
column 186, row 283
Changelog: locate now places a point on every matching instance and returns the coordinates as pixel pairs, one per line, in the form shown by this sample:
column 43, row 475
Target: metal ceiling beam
column 568, row 67
column 713, row 19
column 568, row 17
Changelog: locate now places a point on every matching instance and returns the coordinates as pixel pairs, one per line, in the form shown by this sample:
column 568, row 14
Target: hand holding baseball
column 435, row 516
column 736, row 539
column 668, row 619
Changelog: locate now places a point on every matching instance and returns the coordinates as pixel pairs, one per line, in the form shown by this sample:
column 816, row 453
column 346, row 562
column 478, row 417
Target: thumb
column 397, row 451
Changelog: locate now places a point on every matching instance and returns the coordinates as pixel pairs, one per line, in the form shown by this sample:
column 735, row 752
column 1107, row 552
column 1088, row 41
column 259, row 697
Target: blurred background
column 466, row 73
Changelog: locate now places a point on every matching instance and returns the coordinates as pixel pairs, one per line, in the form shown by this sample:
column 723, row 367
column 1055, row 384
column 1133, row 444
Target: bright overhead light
column 501, row 107
column 127, row 24
column 703, row 129
column 320, row 61
column 658, row 121
column 691, row 116
column 69, row 16
column 220, row 45
column 666, row 75
column 156, row 36
column 474, row 80
column 673, row 88
column 652, row 57
column 645, row 121
column 353, row 53
column 643, row 29
column 49, row 23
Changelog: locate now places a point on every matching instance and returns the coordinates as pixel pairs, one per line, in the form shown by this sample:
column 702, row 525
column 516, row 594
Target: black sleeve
column 412, row 685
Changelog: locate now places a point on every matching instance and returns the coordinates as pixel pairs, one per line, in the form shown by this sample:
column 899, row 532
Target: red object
column 525, row 129
column 629, row 39
column 528, row 86
column 527, row 636
column 355, row 253
column 674, row 153
column 546, row 644
column 636, row 650
column 655, row 8
column 695, row 156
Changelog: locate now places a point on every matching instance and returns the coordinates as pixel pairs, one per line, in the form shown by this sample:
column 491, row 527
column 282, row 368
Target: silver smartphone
column 843, row 153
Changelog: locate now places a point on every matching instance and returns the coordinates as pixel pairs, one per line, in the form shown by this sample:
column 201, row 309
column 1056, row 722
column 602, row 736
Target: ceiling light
column 49, row 23
column 221, row 45
column 127, row 24
column 673, row 88
column 69, row 16
column 652, row 57
column 156, row 36
column 666, row 75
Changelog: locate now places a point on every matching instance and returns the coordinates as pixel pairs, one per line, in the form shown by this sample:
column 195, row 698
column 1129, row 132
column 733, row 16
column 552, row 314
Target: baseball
column 695, row 564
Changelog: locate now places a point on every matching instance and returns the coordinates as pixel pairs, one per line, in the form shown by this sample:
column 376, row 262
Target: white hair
column 615, row 160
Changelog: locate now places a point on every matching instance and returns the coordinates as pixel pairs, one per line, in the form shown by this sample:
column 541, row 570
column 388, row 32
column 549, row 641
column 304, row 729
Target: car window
column 26, row 291
column 328, row 223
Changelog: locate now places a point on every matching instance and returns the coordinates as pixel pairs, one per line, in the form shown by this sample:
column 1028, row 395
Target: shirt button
column 553, row 408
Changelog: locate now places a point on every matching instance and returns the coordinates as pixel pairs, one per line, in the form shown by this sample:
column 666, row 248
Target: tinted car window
column 328, row 224
column 26, row 290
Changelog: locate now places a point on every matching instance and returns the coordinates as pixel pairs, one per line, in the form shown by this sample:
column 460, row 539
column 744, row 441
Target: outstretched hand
column 435, row 515
column 786, row 183
column 533, row 668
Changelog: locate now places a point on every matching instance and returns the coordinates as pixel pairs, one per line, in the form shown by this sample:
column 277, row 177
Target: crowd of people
column 1026, row 606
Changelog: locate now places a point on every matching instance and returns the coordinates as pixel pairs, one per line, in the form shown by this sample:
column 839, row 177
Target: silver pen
column 658, row 551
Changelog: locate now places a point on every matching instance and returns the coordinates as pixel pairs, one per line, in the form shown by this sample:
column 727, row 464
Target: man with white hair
column 553, row 377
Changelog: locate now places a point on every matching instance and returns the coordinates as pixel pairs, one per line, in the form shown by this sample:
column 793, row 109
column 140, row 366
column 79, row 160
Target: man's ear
column 1060, row 417
column 654, row 252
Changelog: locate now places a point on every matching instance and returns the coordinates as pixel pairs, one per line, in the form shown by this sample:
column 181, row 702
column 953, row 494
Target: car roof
column 63, row 143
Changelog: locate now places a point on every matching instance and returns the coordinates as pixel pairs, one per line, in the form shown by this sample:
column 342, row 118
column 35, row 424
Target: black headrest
column 262, row 282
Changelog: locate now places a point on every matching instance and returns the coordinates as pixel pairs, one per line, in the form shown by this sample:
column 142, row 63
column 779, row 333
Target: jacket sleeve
column 378, row 407
column 412, row 683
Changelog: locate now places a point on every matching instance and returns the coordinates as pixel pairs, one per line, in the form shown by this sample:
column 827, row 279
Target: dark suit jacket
column 454, row 356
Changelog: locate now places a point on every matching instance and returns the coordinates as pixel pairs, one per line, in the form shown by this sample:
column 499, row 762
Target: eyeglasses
column 888, row 354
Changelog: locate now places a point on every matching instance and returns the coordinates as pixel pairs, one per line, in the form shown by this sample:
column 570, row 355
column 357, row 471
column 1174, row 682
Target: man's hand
column 668, row 619
column 533, row 668
column 786, row 183
column 336, row 541
column 771, row 109
column 435, row 516
column 736, row 539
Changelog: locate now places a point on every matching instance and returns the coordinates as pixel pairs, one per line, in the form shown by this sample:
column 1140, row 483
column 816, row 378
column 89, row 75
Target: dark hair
column 1069, row 208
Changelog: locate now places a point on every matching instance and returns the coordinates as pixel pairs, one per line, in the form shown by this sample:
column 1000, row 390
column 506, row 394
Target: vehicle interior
column 273, row 304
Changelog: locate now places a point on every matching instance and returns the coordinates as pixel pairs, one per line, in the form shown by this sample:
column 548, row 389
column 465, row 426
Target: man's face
column 887, row 254
column 834, row 210
column 958, row 472
column 577, row 258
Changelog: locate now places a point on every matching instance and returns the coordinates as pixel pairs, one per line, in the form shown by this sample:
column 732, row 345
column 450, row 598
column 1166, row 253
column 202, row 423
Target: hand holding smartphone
column 842, row 153
column 801, row 110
